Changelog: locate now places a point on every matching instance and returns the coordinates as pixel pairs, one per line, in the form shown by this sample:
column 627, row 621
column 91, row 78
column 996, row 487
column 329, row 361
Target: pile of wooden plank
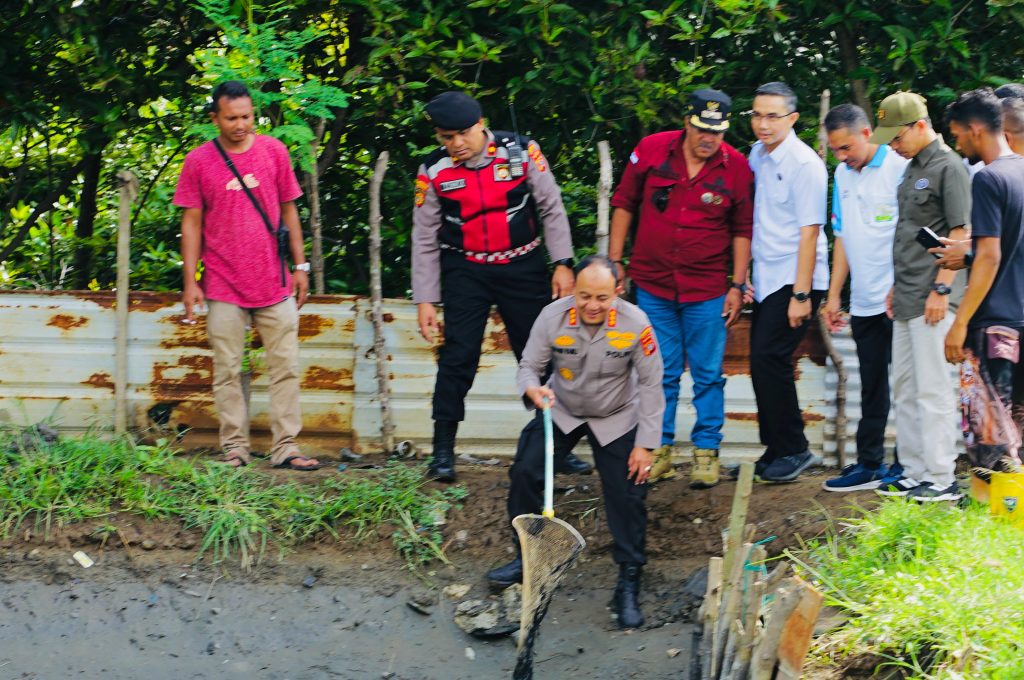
column 755, row 625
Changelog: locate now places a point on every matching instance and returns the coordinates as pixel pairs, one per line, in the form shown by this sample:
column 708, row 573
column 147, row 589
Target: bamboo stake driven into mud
column 709, row 616
column 387, row 429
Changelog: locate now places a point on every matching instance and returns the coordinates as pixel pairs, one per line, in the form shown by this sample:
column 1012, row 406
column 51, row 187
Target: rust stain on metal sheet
column 741, row 415
column 137, row 302
column 101, row 380
column 811, row 417
column 185, row 335
column 496, row 342
column 737, row 348
column 388, row 317
column 66, row 322
column 320, row 378
column 191, row 374
column 312, row 325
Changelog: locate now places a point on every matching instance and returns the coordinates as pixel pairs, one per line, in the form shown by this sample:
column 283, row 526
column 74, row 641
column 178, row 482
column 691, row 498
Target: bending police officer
column 605, row 386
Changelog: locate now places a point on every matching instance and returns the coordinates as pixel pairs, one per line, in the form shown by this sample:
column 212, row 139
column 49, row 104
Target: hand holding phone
column 929, row 239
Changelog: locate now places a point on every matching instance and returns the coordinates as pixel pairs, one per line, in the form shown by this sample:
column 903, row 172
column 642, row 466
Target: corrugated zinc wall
column 57, row 361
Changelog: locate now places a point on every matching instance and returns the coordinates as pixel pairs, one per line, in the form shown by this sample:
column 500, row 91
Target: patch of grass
column 936, row 590
column 240, row 511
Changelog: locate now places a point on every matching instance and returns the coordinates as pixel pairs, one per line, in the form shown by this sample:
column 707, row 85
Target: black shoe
column 788, row 468
column 571, row 465
column 627, row 591
column 507, row 574
column 442, row 461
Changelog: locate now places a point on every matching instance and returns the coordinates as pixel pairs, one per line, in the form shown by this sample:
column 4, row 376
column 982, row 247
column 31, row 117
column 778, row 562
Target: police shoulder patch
column 420, row 195
column 533, row 151
column 573, row 316
column 613, row 318
column 647, row 343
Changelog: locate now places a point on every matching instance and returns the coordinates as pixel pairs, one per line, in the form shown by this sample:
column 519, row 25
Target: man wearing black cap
column 692, row 196
column 480, row 202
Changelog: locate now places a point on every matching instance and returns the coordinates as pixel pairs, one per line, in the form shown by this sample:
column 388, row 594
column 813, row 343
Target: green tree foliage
column 88, row 88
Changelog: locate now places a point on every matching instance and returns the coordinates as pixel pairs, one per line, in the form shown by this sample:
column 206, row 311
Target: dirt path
column 155, row 614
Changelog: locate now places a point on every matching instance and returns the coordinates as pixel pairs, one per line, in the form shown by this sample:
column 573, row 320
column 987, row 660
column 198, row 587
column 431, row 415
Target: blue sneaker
column 856, row 477
column 894, row 473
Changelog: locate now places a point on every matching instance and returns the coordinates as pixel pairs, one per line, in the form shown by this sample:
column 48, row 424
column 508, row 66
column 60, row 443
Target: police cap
column 453, row 111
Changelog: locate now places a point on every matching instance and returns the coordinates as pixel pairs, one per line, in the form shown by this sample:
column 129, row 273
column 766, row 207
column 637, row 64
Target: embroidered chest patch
column 454, row 184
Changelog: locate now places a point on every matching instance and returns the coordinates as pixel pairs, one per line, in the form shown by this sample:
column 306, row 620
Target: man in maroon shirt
column 692, row 197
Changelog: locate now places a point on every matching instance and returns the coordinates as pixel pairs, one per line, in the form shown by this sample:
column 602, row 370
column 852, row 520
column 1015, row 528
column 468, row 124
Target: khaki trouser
column 278, row 326
column 924, row 395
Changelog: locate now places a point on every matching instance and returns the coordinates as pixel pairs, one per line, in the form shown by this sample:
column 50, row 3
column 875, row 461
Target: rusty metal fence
column 57, row 362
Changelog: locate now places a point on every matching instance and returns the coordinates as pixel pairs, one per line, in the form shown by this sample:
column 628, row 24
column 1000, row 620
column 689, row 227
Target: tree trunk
column 851, row 62
column 387, row 428
column 84, row 250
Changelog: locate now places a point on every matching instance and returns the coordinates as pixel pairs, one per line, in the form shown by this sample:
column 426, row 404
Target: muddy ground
column 147, row 609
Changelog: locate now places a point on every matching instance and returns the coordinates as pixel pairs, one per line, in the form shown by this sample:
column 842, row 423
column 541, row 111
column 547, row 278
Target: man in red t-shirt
column 692, row 197
column 243, row 280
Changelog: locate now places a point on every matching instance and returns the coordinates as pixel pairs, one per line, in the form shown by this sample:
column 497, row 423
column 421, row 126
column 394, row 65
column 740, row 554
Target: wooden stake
column 826, row 335
column 387, row 429
column 798, row 631
column 745, row 645
column 128, row 190
column 709, row 616
column 733, row 593
column 738, row 515
column 316, row 252
column 762, row 663
column 604, row 189
column 735, row 632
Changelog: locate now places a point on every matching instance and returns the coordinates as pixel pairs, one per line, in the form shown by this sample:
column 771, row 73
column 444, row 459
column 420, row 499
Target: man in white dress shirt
column 790, row 254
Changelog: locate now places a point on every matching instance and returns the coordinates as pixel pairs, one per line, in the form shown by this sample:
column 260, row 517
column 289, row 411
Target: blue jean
column 690, row 333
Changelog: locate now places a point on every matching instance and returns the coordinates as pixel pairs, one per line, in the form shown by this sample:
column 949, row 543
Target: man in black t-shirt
column 985, row 335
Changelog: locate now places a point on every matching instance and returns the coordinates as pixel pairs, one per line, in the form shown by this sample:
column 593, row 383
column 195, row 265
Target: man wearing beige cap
column 934, row 194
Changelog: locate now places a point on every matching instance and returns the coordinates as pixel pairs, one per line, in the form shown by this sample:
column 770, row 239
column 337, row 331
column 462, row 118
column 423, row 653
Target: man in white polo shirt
column 864, row 215
column 790, row 274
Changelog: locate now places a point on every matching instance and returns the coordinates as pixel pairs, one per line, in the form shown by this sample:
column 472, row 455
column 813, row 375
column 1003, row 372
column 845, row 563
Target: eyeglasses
column 770, row 117
column 899, row 138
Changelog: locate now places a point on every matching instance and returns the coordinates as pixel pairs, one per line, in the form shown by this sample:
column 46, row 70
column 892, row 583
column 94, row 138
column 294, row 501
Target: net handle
column 549, row 462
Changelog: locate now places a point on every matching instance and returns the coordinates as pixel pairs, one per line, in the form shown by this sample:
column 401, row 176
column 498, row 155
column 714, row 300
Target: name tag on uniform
column 453, row 185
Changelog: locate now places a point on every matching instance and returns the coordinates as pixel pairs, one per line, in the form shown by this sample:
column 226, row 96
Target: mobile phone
column 929, row 239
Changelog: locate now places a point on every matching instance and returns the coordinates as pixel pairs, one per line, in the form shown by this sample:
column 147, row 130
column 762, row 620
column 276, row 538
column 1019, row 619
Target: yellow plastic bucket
column 1006, row 497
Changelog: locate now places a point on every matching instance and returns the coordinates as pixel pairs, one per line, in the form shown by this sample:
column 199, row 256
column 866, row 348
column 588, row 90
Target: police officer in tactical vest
column 481, row 201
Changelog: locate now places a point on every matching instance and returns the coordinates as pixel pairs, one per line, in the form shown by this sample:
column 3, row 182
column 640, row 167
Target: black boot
column 442, row 462
column 627, row 596
column 507, row 574
column 569, row 464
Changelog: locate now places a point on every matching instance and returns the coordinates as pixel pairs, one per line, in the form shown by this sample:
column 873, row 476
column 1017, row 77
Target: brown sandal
column 234, row 459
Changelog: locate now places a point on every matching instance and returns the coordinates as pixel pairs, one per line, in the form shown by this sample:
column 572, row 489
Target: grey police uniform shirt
column 611, row 381
column 935, row 193
column 426, row 218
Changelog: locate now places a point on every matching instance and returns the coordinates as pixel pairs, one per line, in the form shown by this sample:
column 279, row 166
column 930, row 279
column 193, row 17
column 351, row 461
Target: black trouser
column 624, row 501
column 468, row 290
column 772, row 343
column 873, row 335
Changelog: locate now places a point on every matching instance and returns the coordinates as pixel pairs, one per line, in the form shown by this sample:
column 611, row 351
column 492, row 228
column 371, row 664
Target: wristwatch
column 741, row 287
column 304, row 267
column 941, row 288
column 567, row 262
column 801, row 295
